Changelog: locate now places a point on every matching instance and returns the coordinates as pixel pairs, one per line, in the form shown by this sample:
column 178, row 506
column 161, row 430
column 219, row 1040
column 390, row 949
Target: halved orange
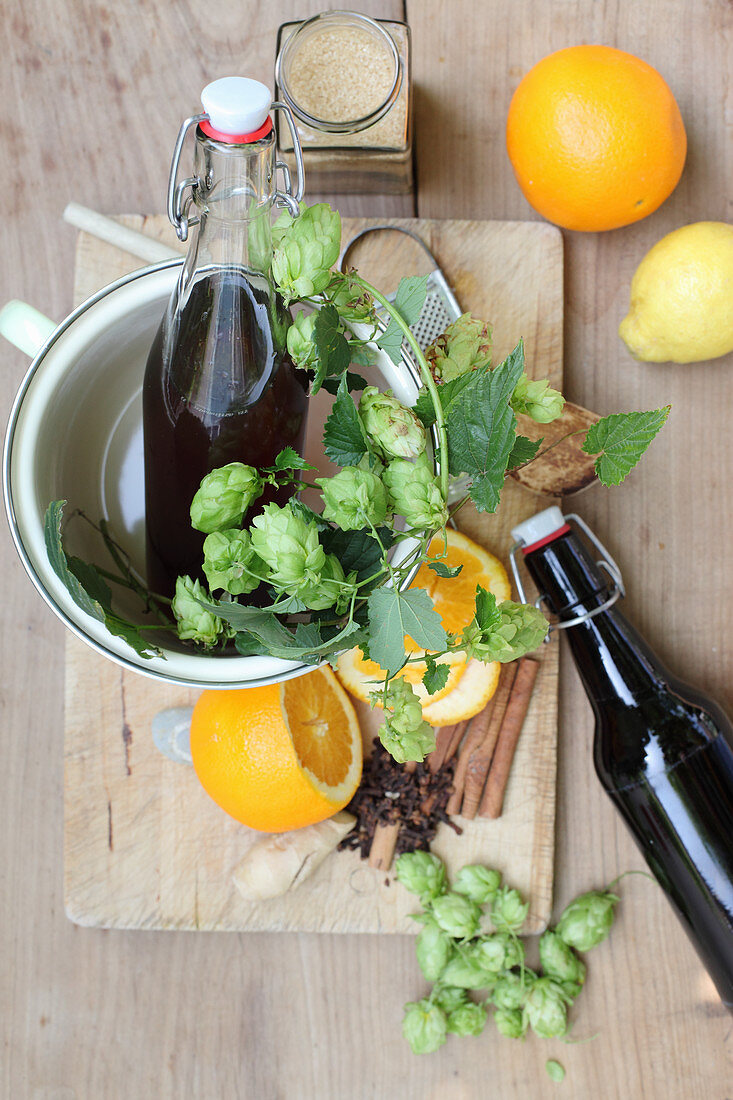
column 280, row 756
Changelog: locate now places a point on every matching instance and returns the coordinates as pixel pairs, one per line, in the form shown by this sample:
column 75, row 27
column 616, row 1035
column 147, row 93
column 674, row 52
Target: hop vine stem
column 427, row 377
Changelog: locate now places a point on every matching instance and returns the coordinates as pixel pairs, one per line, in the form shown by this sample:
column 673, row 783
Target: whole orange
column 280, row 756
column 595, row 137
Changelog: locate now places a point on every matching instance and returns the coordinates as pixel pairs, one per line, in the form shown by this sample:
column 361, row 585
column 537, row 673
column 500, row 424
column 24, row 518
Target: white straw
column 129, row 240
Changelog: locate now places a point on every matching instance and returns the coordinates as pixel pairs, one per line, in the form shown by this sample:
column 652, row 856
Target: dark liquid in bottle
column 219, row 387
column 680, row 810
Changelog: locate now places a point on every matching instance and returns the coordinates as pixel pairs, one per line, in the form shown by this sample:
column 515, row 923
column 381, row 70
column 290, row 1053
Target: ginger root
column 281, row 861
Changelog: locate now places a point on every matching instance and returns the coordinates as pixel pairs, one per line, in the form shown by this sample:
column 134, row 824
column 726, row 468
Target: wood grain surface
column 144, row 847
column 92, row 97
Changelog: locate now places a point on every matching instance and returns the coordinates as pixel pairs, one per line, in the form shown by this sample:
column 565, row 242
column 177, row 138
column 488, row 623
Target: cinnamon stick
column 516, row 711
column 447, row 741
column 473, row 738
column 384, row 841
column 480, row 759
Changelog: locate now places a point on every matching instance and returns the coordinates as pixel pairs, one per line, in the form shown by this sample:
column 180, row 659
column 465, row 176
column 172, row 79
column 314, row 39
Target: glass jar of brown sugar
column 347, row 80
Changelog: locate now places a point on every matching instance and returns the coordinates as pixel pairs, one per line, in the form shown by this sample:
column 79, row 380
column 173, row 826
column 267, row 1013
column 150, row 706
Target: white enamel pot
column 75, row 434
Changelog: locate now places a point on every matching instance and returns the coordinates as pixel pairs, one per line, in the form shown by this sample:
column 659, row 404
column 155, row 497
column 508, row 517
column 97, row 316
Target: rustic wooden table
column 92, row 98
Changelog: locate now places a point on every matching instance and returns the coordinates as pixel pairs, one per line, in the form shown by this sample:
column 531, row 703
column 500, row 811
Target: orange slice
column 477, row 686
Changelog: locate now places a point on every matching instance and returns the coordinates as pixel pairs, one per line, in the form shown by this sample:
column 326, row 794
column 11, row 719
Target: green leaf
column 353, row 382
column 289, row 459
column 436, row 676
column 524, row 450
column 331, row 344
column 391, row 341
column 344, row 440
column 86, row 586
column 481, row 429
column 357, row 551
column 554, row 1070
column 298, row 508
column 620, row 440
column 488, row 615
column 394, row 614
column 447, row 392
column 91, row 581
column 58, row 562
column 444, row 570
column 410, row 298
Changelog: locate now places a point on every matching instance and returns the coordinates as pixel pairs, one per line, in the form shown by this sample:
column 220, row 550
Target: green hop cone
column 456, row 915
column 498, row 951
column 305, row 250
column 508, row 911
column 404, row 734
column 421, row 873
column 290, row 548
column 467, row 1019
column 464, row 973
column 194, row 622
column 503, row 632
column 424, row 1025
column 464, row 346
column 301, row 346
column 433, row 948
column 224, row 496
column 414, row 493
column 231, row 563
column 587, row 920
column 353, row 302
column 332, row 589
column 477, row 883
column 392, row 428
column 354, row 498
column 560, row 961
column 537, row 400
column 545, row 1009
column 511, row 990
column 450, row 997
column 510, row 1022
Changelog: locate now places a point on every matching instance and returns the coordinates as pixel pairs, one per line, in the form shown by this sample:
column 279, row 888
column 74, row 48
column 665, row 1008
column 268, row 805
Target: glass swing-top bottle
column 219, row 384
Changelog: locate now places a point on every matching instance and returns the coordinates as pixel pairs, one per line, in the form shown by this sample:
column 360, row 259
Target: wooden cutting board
column 144, row 846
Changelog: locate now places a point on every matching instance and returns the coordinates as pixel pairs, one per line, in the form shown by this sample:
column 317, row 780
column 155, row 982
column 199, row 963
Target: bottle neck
column 614, row 661
column 233, row 198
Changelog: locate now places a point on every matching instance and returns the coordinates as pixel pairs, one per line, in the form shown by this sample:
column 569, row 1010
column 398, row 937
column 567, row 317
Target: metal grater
column 440, row 306
column 440, row 309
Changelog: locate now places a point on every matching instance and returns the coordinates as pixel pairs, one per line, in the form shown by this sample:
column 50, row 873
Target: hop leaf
column 560, row 961
column 414, row 493
column 404, row 733
column 421, row 873
column 231, row 563
column 537, row 399
column 354, row 498
column 620, row 440
column 195, row 623
column 587, row 920
column 393, row 429
column 424, row 1025
column 224, row 496
column 464, row 346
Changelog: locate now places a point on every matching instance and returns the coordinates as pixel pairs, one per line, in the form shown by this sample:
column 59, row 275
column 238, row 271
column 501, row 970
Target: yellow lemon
column 682, row 297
